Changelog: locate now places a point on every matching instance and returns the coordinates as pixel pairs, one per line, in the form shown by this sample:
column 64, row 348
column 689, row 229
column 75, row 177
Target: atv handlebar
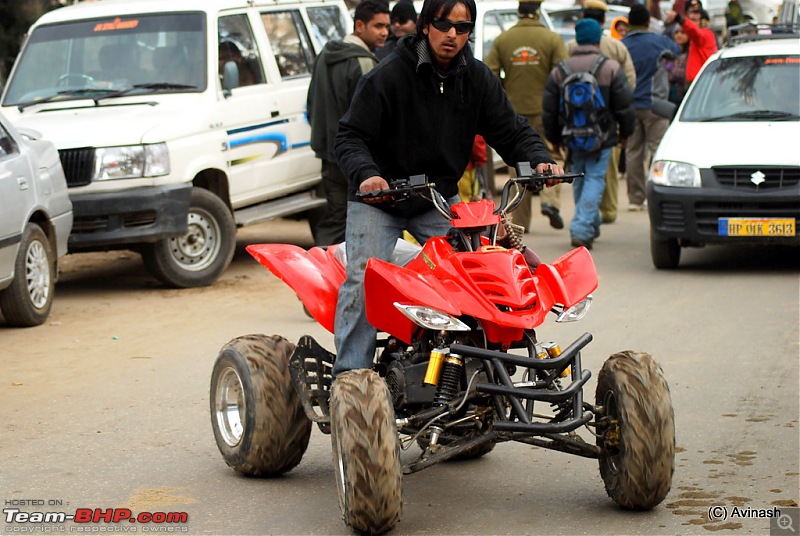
column 527, row 179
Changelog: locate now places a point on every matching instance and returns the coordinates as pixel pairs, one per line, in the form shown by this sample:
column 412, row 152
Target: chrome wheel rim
column 37, row 274
column 230, row 407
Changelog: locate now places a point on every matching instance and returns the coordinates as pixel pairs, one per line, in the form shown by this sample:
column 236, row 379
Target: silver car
column 35, row 222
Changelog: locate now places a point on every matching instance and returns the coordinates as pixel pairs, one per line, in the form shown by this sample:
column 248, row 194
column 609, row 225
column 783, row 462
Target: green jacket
column 525, row 54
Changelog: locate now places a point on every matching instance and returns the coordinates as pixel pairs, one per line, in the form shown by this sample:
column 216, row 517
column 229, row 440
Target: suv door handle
column 275, row 113
column 23, row 183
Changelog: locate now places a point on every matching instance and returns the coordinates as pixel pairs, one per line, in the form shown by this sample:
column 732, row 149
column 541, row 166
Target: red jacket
column 702, row 44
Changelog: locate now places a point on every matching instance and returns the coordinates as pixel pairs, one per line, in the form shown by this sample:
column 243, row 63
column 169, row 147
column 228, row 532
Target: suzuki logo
column 757, row 178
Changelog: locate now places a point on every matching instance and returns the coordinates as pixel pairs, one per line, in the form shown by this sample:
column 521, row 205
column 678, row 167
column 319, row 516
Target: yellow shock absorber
column 434, row 367
column 554, row 350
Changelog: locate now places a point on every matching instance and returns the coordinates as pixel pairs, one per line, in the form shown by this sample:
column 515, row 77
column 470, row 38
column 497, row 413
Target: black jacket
column 336, row 73
column 406, row 120
column 613, row 85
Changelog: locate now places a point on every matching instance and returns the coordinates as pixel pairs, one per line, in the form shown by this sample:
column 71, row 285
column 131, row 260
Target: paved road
column 106, row 405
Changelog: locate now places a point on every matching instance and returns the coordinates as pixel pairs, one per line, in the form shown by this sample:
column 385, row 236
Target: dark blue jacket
column 646, row 48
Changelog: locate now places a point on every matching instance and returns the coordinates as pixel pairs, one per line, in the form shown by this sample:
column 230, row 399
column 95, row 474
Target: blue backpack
column 584, row 114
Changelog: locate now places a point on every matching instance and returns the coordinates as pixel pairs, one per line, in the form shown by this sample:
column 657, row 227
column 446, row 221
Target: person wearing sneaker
column 615, row 95
column 524, row 54
column 653, row 109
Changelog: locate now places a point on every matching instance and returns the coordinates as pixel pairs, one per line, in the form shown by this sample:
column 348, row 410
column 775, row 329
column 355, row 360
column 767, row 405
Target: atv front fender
column 315, row 276
column 571, row 277
column 386, row 283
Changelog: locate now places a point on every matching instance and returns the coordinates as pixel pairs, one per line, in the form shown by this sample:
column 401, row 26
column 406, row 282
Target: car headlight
column 666, row 173
column 131, row 162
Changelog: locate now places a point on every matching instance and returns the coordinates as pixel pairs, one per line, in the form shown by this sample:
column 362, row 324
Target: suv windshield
column 103, row 58
column 762, row 88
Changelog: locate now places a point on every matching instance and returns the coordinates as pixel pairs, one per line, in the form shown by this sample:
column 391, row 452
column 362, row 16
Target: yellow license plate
column 757, row 227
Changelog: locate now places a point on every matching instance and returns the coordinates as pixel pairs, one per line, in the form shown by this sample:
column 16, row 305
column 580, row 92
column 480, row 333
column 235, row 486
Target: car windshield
column 763, row 88
column 104, row 58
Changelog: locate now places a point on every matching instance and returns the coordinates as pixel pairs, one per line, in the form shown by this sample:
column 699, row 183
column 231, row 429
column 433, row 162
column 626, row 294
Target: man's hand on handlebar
column 551, row 169
column 372, row 184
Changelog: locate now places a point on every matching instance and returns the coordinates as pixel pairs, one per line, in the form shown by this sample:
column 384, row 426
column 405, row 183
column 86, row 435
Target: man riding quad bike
column 459, row 367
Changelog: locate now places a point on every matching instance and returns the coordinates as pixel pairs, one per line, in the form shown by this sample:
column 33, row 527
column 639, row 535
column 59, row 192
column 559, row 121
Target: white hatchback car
column 35, row 222
column 727, row 170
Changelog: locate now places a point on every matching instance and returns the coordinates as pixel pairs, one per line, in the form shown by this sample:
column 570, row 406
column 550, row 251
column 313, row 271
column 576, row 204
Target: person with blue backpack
column 587, row 109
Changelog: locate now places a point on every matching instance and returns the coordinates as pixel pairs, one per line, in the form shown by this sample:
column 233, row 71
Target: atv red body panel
column 314, row 275
column 493, row 285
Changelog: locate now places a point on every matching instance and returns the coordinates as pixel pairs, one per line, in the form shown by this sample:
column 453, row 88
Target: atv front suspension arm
column 503, row 387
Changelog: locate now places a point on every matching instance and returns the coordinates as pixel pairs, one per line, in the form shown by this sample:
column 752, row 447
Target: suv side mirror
column 230, row 78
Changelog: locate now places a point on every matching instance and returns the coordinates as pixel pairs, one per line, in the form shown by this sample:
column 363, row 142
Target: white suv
column 727, row 170
column 176, row 120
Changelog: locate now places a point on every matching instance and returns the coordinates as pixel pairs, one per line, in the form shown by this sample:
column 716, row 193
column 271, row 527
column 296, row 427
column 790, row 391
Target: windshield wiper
column 153, row 86
column 756, row 114
column 105, row 93
column 65, row 93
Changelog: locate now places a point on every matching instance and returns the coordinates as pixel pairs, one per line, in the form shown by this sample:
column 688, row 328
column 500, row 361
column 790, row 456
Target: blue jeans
column 588, row 192
column 371, row 233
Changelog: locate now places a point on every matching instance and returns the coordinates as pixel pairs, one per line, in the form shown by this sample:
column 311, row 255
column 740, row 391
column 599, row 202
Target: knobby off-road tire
column 29, row 298
column 258, row 421
column 200, row 256
column 366, row 452
column 637, row 471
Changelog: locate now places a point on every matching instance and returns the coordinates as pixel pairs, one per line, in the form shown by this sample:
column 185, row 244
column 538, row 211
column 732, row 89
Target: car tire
column 666, row 253
column 200, row 256
column 27, row 302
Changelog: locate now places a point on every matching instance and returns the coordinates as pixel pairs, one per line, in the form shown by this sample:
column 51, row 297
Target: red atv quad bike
column 459, row 367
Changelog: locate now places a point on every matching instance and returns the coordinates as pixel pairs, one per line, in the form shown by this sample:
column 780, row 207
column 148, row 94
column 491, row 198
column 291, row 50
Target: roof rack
column 750, row 31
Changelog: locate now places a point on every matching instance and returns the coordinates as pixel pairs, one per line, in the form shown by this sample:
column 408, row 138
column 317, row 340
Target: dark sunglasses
column 444, row 25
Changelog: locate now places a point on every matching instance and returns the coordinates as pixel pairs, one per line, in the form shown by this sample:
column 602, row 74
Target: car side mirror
column 230, row 78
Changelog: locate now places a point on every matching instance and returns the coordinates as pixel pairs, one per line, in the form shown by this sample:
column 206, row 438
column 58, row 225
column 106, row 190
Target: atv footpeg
column 311, row 367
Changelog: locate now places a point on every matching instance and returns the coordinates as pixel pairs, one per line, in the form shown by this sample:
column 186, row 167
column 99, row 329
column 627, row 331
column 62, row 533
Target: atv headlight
column 430, row 318
column 131, row 162
column 666, row 173
column 577, row 311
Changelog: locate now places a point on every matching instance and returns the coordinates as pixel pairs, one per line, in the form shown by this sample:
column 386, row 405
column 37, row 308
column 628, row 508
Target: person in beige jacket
column 615, row 50
column 523, row 57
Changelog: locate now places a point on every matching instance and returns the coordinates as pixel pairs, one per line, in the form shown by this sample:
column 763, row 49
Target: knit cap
column 588, row 32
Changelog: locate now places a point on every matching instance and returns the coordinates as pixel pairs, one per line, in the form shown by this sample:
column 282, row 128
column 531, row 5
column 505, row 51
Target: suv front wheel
column 200, row 256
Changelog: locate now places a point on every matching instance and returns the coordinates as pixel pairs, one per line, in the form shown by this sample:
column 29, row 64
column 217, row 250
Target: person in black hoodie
column 337, row 70
column 404, row 20
column 417, row 112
